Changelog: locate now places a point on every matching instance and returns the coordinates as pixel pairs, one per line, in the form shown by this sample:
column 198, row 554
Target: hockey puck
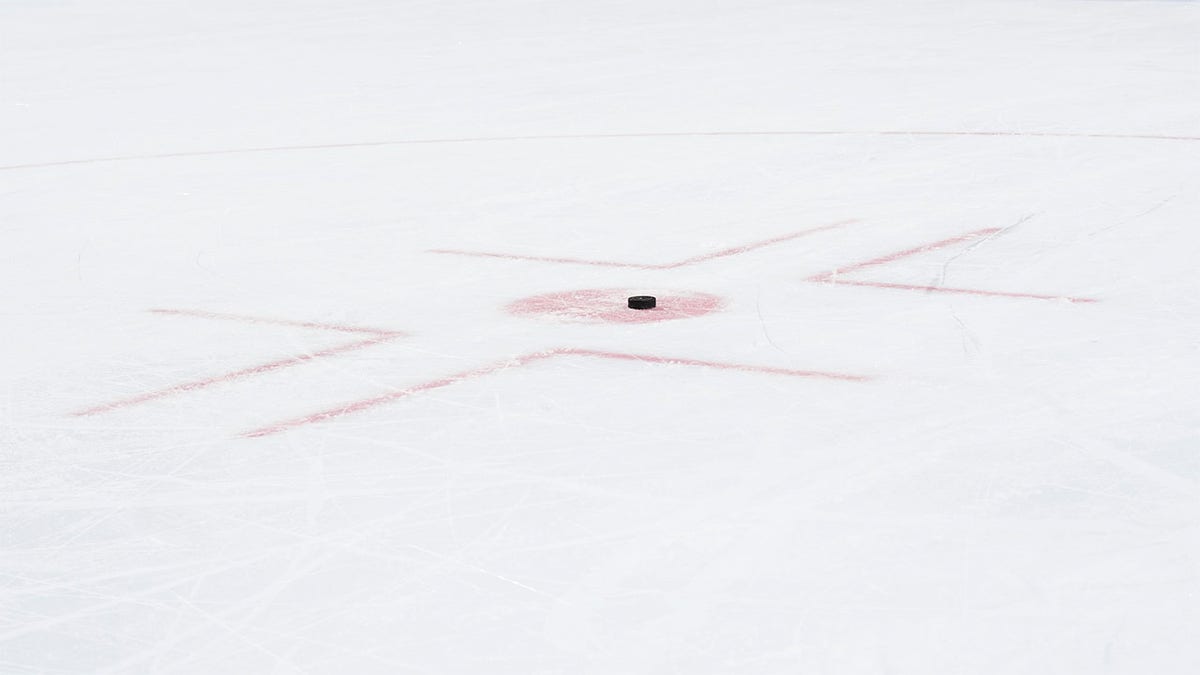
column 642, row 302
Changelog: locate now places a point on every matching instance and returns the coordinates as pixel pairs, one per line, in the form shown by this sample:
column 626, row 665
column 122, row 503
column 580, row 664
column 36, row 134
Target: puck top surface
column 642, row 302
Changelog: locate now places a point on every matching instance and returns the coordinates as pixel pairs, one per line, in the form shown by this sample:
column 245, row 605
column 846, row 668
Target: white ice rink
column 314, row 357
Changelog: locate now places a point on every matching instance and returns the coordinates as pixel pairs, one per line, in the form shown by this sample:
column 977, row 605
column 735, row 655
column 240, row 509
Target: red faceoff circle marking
column 608, row 305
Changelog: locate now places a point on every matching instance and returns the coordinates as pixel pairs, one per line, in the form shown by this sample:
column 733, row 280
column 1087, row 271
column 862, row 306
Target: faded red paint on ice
column 836, row 275
column 379, row 336
column 608, row 305
column 961, row 291
column 900, row 255
column 718, row 365
column 723, row 253
column 278, row 322
column 233, row 376
column 525, row 359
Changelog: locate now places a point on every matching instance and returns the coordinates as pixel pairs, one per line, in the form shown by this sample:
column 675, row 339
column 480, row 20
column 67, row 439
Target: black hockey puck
column 642, row 302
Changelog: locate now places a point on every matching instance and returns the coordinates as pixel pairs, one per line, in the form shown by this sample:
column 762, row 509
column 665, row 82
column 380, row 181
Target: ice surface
column 266, row 408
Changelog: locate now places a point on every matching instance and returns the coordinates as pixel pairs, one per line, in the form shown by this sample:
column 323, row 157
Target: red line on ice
column 835, row 277
column 364, row 404
column 649, row 358
column 738, row 250
column 240, row 374
column 906, row 253
column 278, row 322
column 723, row 253
column 961, row 291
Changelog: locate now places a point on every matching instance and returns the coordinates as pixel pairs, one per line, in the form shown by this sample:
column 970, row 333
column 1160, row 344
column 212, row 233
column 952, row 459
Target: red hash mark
column 377, row 336
column 724, row 253
column 835, row 276
column 525, row 359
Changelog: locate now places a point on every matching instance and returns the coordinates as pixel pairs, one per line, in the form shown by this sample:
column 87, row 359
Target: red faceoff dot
column 609, row 305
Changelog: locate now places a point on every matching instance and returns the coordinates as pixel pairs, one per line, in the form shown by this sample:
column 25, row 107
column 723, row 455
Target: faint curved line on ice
column 584, row 137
